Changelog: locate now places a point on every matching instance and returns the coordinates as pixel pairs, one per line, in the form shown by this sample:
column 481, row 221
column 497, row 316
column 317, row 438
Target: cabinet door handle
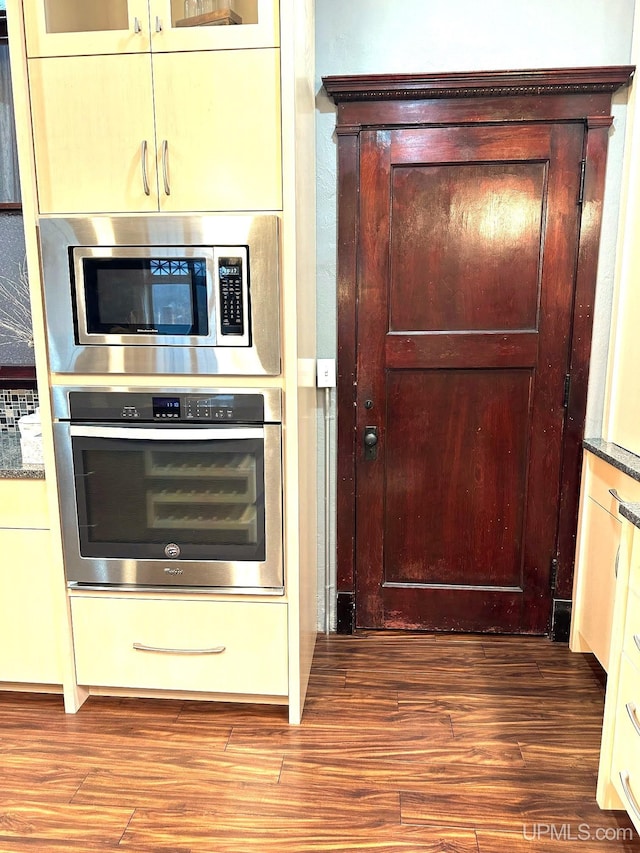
column 616, row 496
column 216, row 650
column 137, row 28
column 636, row 640
column 143, row 161
column 165, row 166
column 633, row 715
column 617, row 562
column 626, row 787
column 158, row 24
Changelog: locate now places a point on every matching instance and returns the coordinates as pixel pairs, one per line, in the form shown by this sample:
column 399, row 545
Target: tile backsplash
column 14, row 403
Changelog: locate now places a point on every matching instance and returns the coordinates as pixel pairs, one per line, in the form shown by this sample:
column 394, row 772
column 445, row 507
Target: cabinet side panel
column 622, row 403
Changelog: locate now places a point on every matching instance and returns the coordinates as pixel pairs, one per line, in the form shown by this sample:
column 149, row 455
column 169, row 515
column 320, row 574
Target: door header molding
column 477, row 84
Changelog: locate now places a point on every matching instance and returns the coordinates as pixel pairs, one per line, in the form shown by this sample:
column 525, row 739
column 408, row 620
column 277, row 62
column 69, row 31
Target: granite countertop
column 11, row 465
column 632, row 512
column 624, row 461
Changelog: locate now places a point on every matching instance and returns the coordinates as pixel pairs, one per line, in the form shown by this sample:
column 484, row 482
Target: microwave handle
column 134, row 433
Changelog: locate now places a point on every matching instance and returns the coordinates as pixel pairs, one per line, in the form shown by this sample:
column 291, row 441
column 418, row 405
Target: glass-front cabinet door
column 82, row 27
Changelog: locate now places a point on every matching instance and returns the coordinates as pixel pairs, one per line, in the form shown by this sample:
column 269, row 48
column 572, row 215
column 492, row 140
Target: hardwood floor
column 408, row 743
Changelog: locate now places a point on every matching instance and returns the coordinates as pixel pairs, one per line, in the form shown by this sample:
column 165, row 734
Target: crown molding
column 477, row 84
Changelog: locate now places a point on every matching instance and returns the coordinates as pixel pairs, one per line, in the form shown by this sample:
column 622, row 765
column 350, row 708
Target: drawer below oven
column 165, row 644
column 625, row 766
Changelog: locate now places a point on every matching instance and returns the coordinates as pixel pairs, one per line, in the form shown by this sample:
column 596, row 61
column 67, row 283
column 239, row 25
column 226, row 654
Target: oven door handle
column 134, row 433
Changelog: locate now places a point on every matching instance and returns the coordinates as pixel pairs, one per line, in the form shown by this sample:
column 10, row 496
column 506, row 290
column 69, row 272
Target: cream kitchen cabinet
column 598, row 554
column 196, row 645
column 625, row 763
column 29, row 626
column 619, row 771
column 173, row 132
column 229, row 112
column 82, row 27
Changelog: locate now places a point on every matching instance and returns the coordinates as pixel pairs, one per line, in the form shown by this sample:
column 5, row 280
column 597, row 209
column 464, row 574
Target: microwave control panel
column 232, row 296
column 230, row 282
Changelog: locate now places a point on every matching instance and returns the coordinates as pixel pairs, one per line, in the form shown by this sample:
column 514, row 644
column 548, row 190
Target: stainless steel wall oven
column 170, row 488
column 162, row 294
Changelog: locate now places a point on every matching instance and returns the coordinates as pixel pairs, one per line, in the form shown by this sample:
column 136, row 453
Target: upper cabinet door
column 84, row 27
column 218, row 130
column 94, row 143
column 239, row 24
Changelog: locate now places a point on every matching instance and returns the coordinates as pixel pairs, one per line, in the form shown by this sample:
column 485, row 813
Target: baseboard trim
column 345, row 613
column 560, row 620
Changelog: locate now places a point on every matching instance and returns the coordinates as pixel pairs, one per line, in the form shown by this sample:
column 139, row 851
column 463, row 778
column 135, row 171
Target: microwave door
column 139, row 296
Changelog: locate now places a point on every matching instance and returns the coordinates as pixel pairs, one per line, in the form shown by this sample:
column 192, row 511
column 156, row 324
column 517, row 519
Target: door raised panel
column 456, row 460
column 461, row 226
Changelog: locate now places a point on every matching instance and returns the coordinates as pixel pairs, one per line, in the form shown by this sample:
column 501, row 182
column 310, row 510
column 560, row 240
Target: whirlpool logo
column 170, row 571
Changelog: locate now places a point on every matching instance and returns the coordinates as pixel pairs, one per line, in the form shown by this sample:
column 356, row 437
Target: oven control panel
column 166, row 408
column 209, row 408
column 143, row 407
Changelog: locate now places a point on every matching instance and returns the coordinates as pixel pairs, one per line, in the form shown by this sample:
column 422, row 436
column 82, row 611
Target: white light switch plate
column 326, row 373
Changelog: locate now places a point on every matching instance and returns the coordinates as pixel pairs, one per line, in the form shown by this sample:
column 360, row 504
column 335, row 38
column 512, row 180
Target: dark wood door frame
column 432, row 100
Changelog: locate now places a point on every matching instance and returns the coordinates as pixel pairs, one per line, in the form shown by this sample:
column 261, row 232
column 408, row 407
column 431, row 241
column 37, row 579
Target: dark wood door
column 467, row 256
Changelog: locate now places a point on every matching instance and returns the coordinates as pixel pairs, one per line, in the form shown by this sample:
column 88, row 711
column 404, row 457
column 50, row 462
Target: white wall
column 382, row 36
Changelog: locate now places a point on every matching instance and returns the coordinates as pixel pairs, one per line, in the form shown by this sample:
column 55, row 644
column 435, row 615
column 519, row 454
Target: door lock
column 371, row 442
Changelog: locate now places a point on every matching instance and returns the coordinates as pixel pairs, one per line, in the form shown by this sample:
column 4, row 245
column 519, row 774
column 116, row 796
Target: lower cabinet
column 598, row 555
column 625, row 762
column 619, row 771
column 168, row 644
column 600, row 546
column 29, row 620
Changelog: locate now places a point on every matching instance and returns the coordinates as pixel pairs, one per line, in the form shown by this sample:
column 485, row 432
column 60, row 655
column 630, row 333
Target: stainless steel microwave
column 160, row 294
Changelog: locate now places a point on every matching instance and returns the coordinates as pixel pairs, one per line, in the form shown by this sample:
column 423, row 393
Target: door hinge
column 583, row 171
column 553, row 573
column 567, row 390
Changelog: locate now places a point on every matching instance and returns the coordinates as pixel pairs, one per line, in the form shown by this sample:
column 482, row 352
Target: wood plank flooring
column 409, row 742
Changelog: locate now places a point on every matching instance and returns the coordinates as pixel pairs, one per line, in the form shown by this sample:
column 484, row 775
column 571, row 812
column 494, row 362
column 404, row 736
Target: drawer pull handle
column 615, row 495
column 216, row 650
column 633, row 715
column 626, row 787
column 636, row 640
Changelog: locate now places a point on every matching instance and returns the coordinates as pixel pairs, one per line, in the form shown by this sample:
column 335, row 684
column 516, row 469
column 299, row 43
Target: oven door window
column 145, row 295
column 165, row 499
